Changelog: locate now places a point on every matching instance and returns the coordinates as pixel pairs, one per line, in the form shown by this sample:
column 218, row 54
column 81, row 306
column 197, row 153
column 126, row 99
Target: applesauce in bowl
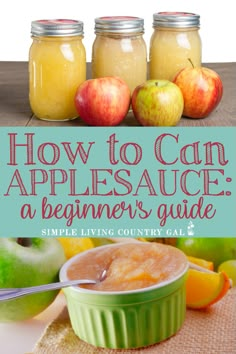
column 142, row 300
column 129, row 267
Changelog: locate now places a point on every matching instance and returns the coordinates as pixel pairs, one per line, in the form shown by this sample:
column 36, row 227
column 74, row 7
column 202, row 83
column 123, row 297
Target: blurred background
column 217, row 22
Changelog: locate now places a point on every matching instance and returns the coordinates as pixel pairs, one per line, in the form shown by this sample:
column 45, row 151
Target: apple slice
column 205, row 289
column 75, row 245
column 201, row 262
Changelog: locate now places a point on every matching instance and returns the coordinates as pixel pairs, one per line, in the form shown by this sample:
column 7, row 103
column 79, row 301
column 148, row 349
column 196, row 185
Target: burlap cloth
column 204, row 332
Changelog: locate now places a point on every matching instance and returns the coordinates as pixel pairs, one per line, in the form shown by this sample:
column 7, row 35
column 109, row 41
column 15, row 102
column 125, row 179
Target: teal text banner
column 122, row 182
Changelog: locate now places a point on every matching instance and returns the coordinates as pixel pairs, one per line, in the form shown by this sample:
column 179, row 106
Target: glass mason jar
column 57, row 66
column 120, row 50
column 175, row 44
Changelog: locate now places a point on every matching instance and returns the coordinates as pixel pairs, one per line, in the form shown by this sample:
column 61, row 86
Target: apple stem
column 25, row 242
column 156, row 83
column 191, row 62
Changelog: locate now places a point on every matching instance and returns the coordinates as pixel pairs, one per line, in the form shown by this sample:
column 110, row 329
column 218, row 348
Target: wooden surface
column 15, row 109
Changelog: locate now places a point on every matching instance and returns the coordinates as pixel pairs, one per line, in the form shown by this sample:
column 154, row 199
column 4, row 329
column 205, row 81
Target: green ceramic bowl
column 126, row 319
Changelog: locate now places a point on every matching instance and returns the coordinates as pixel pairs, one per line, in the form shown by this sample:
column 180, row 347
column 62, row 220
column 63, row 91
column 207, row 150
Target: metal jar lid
column 176, row 19
column 56, row 28
column 119, row 24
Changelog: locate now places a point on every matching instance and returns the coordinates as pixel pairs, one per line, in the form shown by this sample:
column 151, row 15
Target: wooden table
column 15, row 109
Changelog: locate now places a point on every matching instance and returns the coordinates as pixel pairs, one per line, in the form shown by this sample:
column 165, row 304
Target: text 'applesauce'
column 129, row 266
column 120, row 50
column 57, row 66
column 175, row 44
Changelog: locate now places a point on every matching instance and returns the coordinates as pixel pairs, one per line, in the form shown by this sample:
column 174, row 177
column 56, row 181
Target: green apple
column 229, row 267
column 157, row 103
column 212, row 249
column 27, row 262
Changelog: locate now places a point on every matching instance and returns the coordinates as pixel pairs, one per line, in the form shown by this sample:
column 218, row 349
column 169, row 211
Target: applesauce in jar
column 120, row 50
column 129, row 266
column 175, row 44
column 57, row 66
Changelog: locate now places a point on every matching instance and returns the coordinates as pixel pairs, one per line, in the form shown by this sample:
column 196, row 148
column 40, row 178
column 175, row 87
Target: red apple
column 202, row 90
column 157, row 103
column 103, row 102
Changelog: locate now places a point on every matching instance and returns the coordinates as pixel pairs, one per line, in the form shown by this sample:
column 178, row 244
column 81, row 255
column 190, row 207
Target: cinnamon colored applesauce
column 129, row 266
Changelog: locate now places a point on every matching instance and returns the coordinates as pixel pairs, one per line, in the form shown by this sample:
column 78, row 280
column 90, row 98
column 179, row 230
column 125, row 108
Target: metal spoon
column 13, row 293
